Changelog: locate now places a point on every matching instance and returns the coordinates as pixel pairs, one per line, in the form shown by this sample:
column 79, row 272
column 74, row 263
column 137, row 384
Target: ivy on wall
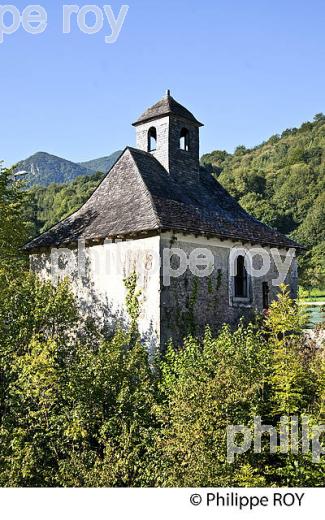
column 132, row 299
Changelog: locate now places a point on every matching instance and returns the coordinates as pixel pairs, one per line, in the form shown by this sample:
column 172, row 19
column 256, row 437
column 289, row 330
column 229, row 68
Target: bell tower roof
column 167, row 106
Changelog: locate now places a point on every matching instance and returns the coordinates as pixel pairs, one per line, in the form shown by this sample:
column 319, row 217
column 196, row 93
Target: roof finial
column 168, row 93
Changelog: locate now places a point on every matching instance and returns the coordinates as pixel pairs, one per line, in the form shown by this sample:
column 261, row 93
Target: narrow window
column 266, row 290
column 184, row 140
column 241, row 278
column 152, row 140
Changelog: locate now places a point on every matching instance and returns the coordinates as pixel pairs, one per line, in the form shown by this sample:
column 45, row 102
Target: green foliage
column 214, row 161
column 285, row 323
column 311, row 296
column 14, row 227
column 75, row 408
column 312, row 267
column 37, row 330
column 78, row 409
column 282, row 183
column 205, row 387
column 257, row 370
column 255, row 204
column 103, row 164
column 132, row 302
column 110, row 414
column 51, row 204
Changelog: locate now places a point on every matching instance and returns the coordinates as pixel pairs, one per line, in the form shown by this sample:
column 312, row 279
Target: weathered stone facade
column 191, row 302
column 179, row 163
column 185, row 303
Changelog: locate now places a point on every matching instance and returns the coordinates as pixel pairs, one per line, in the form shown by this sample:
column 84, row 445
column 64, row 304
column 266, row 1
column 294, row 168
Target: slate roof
column 166, row 106
column 139, row 196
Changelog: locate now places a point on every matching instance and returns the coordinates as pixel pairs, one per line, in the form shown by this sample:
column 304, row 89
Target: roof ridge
column 154, row 207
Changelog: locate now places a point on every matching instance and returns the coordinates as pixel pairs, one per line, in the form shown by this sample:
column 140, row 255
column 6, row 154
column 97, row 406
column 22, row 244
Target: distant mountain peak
column 44, row 169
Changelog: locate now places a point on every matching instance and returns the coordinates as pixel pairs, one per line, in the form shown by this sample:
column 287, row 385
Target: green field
column 314, row 295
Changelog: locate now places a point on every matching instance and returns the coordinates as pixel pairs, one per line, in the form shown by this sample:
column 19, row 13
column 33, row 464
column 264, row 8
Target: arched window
column 184, row 140
column 241, row 285
column 152, row 139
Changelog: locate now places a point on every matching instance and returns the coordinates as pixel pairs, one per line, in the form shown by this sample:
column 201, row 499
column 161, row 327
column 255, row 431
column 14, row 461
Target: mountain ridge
column 102, row 164
column 44, row 169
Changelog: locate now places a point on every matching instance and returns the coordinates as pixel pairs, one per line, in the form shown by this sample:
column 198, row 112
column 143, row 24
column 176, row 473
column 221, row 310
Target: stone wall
column 99, row 285
column 180, row 163
column 168, row 311
column 162, row 127
column 190, row 302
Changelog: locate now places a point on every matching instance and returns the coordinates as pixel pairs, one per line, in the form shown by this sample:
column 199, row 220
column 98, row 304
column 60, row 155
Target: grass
column 314, row 295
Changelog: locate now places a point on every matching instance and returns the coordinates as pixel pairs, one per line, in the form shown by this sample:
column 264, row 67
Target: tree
column 14, row 227
column 38, row 327
column 284, row 324
column 312, row 268
column 297, row 391
column 206, row 386
column 260, row 208
column 319, row 117
column 112, row 397
column 75, row 407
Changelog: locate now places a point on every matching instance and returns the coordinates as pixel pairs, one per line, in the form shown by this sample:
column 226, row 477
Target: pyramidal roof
column 166, row 106
column 138, row 197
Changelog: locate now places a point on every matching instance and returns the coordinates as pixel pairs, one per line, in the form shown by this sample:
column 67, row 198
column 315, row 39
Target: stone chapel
column 155, row 210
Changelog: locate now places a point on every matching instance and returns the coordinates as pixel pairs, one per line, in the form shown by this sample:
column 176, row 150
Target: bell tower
column 170, row 133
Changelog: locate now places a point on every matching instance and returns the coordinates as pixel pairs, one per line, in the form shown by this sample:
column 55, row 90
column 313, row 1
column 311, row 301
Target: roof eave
column 235, row 238
column 141, row 121
column 89, row 242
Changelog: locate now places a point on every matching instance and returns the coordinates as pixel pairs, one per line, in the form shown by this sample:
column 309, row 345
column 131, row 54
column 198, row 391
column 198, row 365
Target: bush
column 78, row 409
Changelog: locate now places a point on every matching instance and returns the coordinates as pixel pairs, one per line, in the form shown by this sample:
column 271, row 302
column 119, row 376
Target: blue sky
column 247, row 69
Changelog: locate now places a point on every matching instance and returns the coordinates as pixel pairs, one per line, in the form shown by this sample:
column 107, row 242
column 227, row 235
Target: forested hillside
column 103, row 164
column 44, row 169
column 51, row 204
column 282, row 183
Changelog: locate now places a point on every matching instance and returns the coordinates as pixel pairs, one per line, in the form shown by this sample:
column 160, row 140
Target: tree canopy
column 282, row 183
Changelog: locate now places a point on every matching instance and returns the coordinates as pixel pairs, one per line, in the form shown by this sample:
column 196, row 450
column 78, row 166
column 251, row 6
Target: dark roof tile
column 164, row 107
